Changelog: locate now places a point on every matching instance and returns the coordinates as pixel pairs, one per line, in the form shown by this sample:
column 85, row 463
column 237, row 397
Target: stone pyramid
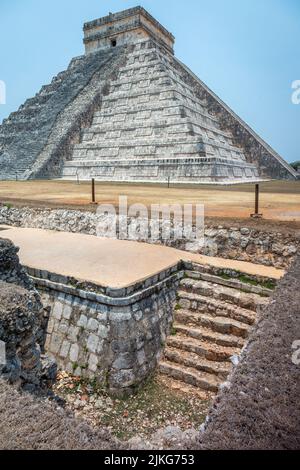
column 128, row 110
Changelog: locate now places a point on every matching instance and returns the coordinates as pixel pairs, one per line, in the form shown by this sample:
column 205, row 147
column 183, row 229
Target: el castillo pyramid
column 128, row 110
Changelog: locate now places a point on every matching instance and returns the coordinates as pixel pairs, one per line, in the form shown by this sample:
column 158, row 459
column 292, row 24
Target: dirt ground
column 279, row 200
column 153, row 407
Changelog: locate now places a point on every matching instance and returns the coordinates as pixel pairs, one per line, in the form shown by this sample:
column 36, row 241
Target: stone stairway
column 47, row 126
column 151, row 126
column 212, row 321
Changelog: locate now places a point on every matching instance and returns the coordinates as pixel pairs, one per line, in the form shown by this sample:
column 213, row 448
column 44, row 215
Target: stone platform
column 108, row 262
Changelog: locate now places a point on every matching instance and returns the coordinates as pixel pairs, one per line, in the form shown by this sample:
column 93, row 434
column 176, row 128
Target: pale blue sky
column 247, row 51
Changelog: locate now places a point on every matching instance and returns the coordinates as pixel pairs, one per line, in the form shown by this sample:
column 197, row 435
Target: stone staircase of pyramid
column 128, row 110
column 212, row 321
column 152, row 125
column 56, row 112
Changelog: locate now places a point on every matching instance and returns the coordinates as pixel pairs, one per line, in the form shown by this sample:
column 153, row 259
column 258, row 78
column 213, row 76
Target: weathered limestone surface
column 19, row 321
column 10, row 269
column 130, row 111
column 115, row 336
column 12, row 272
column 125, row 27
column 152, row 125
column 112, row 335
column 22, row 325
column 271, row 248
column 258, row 408
column 35, row 140
column 212, row 320
column 256, row 151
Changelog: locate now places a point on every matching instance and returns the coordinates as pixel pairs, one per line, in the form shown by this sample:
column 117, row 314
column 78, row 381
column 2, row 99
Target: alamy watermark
column 296, row 93
column 157, row 222
column 2, row 92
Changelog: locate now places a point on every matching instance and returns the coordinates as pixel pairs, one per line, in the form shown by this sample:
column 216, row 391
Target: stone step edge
column 234, row 283
column 233, row 298
column 219, row 304
column 210, row 336
column 190, row 359
column 190, row 376
column 216, row 271
column 187, row 317
column 232, row 295
column 202, row 348
column 184, row 388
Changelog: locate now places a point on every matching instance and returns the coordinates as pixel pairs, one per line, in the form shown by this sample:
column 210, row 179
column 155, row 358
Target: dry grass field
column 279, row 200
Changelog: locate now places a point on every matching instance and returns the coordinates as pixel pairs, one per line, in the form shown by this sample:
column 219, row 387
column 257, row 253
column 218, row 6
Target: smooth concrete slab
column 108, row 262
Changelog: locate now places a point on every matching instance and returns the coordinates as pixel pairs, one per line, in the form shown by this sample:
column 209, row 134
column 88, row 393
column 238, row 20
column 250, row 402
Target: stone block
column 124, row 361
column 73, row 333
column 92, row 343
column 244, row 242
column 50, row 325
column 63, row 327
column 82, row 322
column 55, row 344
column 93, row 363
column 67, row 312
column 74, row 352
column 119, row 316
column 245, row 231
column 100, row 346
column 64, row 350
column 57, row 310
column 92, row 324
column 138, row 315
column 141, row 357
column 47, row 342
column 103, row 331
column 69, row 368
column 122, row 379
column 184, row 303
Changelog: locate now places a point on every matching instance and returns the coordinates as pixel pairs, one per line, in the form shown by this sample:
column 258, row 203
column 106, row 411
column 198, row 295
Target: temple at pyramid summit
column 128, row 110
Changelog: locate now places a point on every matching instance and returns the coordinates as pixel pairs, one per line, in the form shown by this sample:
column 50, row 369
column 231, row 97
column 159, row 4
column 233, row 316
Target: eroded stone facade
column 112, row 336
column 128, row 110
column 22, row 326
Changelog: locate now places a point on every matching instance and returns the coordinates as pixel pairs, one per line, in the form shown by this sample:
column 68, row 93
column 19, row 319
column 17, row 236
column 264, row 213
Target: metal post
column 256, row 198
column 77, row 176
column 168, row 181
column 256, row 214
column 93, row 192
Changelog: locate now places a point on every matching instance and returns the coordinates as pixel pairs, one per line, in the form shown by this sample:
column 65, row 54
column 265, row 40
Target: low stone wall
column 268, row 247
column 114, row 336
column 249, row 244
